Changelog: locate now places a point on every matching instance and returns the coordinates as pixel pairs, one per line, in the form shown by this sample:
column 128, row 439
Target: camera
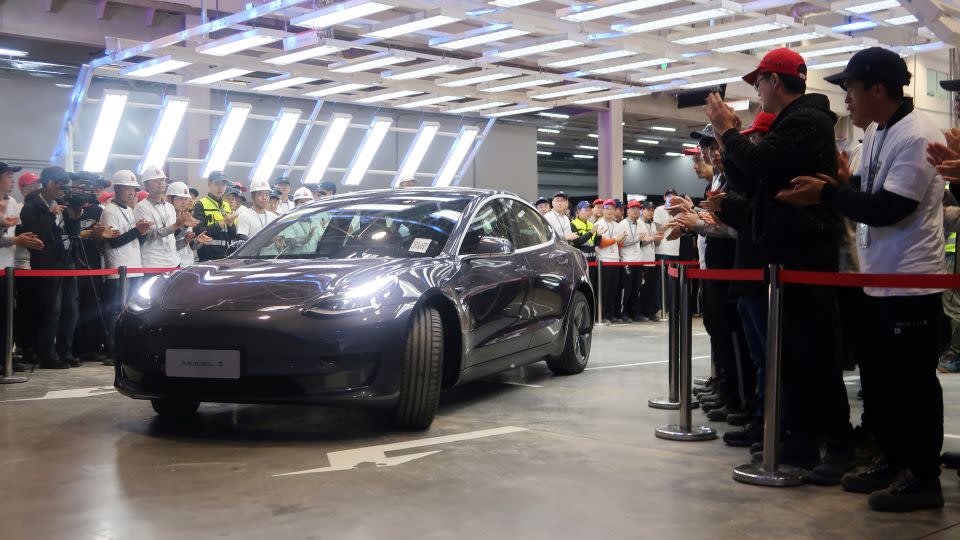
column 82, row 190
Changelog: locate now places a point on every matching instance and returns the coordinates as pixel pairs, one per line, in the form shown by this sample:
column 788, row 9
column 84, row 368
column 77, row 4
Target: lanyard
column 126, row 220
column 873, row 167
column 632, row 225
column 154, row 211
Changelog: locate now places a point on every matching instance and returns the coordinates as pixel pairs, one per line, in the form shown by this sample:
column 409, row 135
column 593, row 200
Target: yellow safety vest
column 582, row 227
column 952, row 243
column 214, row 212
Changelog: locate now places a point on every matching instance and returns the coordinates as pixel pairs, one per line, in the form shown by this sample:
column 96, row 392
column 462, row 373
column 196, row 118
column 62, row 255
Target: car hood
column 270, row 285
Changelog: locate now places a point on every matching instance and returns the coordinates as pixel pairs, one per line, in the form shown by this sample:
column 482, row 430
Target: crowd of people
column 81, row 221
column 782, row 192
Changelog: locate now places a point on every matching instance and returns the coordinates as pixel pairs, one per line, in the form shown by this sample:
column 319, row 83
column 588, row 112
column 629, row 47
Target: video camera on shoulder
column 82, row 191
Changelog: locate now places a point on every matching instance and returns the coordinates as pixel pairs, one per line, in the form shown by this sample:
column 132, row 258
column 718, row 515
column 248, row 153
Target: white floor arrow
column 72, row 393
column 345, row 460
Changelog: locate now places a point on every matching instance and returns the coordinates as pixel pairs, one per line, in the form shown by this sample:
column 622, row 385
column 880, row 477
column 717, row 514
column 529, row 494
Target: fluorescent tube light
column 663, row 128
column 593, row 135
column 568, row 90
column 647, row 141
column 478, row 77
column 336, row 88
column 368, row 148
column 855, row 26
column 329, row 141
column 424, row 70
column 690, row 15
column 412, row 24
column 304, row 47
column 680, row 74
column 480, row 36
column 558, row 116
column 511, row 3
column 12, row 52
column 537, row 46
column 836, row 47
column 518, row 83
column 588, row 56
column 241, row 42
column 672, row 154
column 427, row 101
column 588, row 147
column 475, row 106
column 625, row 151
column 544, row 153
column 613, row 96
column 518, row 109
column 615, row 67
column 606, row 8
column 712, row 82
column 583, row 156
column 733, row 30
column 280, row 133
column 415, row 154
column 340, row 13
column 373, row 61
column 153, row 67
column 226, row 138
column 164, row 132
column 690, row 145
column 458, row 152
column 792, row 36
column 385, row 95
column 111, row 109
column 284, row 81
column 548, row 130
column 899, row 21
column 546, row 143
column 220, row 75
column 862, row 7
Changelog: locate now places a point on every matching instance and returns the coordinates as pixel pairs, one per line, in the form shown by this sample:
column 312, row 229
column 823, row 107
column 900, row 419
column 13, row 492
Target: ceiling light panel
column 612, row 96
column 689, row 15
column 669, row 75
column 340, row 13
column 511, row 3
column 901, row 20
column 277, row 140
column 336, row 88
column 474, row 106
column 836, row 47
column 711, row 82
column 220, row 75
column 518, row 83
column 226, row 138
column 456, row 156
column 478, row 77
column 568, row 90
column 13, row 52
column 537, row 46
column 373, row 61
column 558, row 116
column 781, row 38
column 616, row 67
column 111, row 109
column 305, row 47
column 415, row 154
column 518, row 109
column 648, row 141
column 587, row 56
column 861, row 7
column 284, row 81
column 606, row 8
column 425, row 69
column 548, row 130
column 242, row 41
column 414, row 23
column 164, row 132
column 153, row 67
column 733, row 30
column 385, row 95
column 427, row 101
column 329, row 141
column 479, row 36
column 368, row 148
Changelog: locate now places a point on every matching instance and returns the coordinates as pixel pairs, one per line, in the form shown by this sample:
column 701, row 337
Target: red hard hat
column 26, row 179
column 141, row 195
column 105, row 197
column 783, row 61
column 761, row 124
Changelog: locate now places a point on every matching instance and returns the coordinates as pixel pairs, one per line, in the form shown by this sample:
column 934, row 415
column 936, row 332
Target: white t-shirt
column 607, row 229
column 634, row 248
column 667, row 247
column 7, row 253
column 121, row 219
column 21, row 255
column 284, row 207
column 187, row 254
column 250, row 222
column 915, row 244
column 559, row 223
column 159, row 250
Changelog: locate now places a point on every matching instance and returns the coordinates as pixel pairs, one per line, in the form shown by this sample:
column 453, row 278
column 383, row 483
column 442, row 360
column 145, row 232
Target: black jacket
column 800, row 142
column 36, row 218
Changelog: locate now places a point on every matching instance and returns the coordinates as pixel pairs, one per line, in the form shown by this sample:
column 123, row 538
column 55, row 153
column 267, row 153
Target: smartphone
column 697, row 98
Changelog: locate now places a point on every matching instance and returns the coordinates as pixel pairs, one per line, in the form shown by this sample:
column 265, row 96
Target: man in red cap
column 800, row 142
column 608, row 240
column 597, row 211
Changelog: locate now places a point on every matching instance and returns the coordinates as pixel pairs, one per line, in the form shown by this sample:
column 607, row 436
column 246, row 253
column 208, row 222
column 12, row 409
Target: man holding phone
column 669, row 247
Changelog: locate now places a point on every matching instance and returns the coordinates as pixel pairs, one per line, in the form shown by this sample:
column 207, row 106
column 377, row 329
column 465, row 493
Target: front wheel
column 576, row 350
column 421, row 372
column 175, row 410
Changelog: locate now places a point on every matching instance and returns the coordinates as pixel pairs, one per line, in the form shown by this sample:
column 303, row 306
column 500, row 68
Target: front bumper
column 285, row 356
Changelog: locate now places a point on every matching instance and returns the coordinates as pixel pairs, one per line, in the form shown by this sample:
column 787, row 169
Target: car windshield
column 352, row 227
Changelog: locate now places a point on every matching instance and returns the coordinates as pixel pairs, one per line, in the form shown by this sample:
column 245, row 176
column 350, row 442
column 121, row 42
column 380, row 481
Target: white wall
column 647, row 177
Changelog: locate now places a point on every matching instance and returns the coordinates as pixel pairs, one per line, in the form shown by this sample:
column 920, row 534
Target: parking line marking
column 627, row 365
column 521, row 384
column 71, row 393
column 948, row 436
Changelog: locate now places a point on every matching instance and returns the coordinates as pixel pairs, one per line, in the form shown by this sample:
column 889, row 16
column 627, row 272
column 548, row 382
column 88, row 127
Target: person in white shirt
column 637, row 237
column 608, row 240
column 285, row 204
column 668, row 250
column 559, row 217
column 187, row 241
column 258, row 215
column 123, row 249
column 159, row 248
column 899, row 211
column 302, row 237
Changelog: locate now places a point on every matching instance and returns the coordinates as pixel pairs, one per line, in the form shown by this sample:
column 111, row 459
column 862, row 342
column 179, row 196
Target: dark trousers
column 630, row 280
column 91, row 330
column 814, row 401
column 609, row 290
column 28, row 314
column 649, row 290
column 728, row 350
column 114, row 304
column 58, row 298
column 3, row 325
column 670, row 284
column 899, row 339
column 753, row 318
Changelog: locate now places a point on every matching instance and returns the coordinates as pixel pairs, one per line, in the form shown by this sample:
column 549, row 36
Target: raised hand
column 143, row 226
column 29, row 241
column 805, row 190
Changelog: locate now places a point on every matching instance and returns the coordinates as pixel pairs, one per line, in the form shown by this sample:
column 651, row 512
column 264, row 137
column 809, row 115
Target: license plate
column 203, row 363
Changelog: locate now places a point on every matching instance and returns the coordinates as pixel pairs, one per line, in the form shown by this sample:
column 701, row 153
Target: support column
column 610, row 153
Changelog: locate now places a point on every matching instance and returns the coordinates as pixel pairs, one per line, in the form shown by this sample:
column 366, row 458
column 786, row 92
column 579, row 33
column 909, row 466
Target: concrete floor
column 84, row 462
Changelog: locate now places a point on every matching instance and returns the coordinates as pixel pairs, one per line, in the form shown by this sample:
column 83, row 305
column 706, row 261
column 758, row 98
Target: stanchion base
column 13, row 380
column 666, row 404
column 784, row 476
column 674, row 432
column 700, row 381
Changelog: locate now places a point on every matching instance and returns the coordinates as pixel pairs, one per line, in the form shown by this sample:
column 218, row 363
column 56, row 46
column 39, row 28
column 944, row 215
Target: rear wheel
column 172, row 409
column 576, row 350
column 421, row 373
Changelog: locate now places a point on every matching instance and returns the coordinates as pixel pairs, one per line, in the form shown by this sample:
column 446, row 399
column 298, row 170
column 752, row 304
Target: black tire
column 175, row 410
column 576, row 349
column 421, row 372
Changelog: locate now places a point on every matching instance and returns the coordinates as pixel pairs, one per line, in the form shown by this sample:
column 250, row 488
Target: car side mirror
column 232, row 247
column 489, row 246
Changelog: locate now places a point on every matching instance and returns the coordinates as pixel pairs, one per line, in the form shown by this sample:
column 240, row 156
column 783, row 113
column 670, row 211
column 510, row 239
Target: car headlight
column 141, row 299
column 374, row 295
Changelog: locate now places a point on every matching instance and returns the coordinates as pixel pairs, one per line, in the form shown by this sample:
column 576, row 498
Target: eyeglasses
column 756, row 83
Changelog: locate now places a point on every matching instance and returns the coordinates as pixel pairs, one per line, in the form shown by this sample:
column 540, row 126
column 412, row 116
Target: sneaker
column 718, row 415
column 107, row 361
column 55, row 364
column 72, row 361
column 879, row 475
column 949, row 363
column 712, row 405
column 605, row 321
column 835, row 464
column 908, row 493
column 950, row 460
column 739, row 418
column 752, row 433
column 626, row 320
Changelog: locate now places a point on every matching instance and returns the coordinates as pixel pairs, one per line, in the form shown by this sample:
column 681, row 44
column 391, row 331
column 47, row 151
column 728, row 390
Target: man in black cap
column 282, row 186
column 58, row 227
column 896, row 198
column 559, row 217
column 216, row 218
column 543, row 205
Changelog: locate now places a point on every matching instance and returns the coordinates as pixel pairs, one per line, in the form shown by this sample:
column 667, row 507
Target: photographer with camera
column 91, row 327
column 123, row 248
column 56, row 226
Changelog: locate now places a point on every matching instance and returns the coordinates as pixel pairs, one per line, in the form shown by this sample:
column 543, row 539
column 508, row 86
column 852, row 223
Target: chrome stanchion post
column 672, row 401
column 599, row 291
column 770, row 472
column 122, row 271
column 9, row 377
column 663, row 286
column 685, row 431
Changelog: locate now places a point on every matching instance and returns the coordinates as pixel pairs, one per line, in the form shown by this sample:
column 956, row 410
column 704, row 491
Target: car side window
column 493, row 219
column 530, row 228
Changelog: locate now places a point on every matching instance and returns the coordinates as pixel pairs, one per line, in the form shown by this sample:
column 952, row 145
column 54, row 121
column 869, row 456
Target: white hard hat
column 302, row 193
column 152, row 172
column 178, row 189
column 125, row 178
column 260, row 186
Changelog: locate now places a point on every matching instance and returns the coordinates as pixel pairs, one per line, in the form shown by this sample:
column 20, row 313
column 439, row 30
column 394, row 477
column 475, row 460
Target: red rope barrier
column 673, row 271
column 66, row 273
column 150, row 270
column 726, row 275
column 646, row 263
column 885, row 281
